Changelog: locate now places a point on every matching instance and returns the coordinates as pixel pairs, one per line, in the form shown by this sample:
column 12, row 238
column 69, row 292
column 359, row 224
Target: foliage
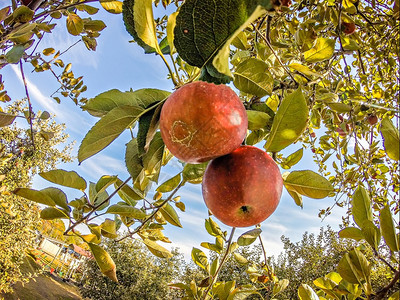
column 19, row 161
column 304, row 78
column 140, row 274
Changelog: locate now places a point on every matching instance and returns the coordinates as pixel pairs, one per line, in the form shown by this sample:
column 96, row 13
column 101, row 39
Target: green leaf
column 51, row 213
column 104, row 261
column 394, row 296
column 257, row 119
column 58, row 196
column 388, row 229
column 65, row 178
column 94, row 25
column 304, row 69
column 170, row 184
column 208, row 46
column 371, row 233
column 354, row 267
column 112, row 6
column 170, row 215
column 6, row 119
column 339, row 107
column 391, row 140
column 298, row 199
column 133, row 161
column 22, row 14
column 152, row 160
column 128, row 194
column 74, row 24
column 139, row 22
column 280, row 286
column 309, row 184
column 109, row 229
column 351, row 233
column 170, row 31
column 107, row 129
column 156, row 249
column 104, row 182
column 292, row 159
column 105, row 102
column 252, row 76
column 193, row 173
column 323, row 49
column 23, row 34
column 240, row 259
column 361, row 206
column 35, row 196
column 214, row 266
column 305, row 292
column 249, row 237
column 212, row 227
column 200, row 259
column 127, row 211
column 14, row 55
column 289, row 122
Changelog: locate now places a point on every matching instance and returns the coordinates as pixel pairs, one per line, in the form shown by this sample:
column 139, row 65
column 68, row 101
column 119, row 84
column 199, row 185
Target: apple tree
column 313, row 74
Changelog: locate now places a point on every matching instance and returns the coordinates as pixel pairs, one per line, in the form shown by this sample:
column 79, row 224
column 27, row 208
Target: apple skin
column 348, row 28
column 201, row 121
column 372, row 119
column 242, row 188
column 286, row 3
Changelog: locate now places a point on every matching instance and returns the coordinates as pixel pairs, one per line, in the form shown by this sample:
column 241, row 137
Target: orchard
column 250, row 80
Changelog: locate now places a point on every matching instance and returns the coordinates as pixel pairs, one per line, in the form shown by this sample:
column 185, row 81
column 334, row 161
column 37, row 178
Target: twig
column 97, row 206
column 153, row 213
column 276, row 56
column 29, row 104
column 221, row 264
column 263, row 250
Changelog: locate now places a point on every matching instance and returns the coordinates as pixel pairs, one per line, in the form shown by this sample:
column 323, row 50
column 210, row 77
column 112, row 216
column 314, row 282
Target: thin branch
column 263, row 250
column 382, row 293
column 221, row 263
column 97, row 206
column 29, row 103
column 276, row 56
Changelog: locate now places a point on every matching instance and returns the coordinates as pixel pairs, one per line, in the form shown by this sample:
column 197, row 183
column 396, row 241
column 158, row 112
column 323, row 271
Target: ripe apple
column 348, row 28
column 372, row 119
column 242, row 188
column 201, row 121
column 286, row 3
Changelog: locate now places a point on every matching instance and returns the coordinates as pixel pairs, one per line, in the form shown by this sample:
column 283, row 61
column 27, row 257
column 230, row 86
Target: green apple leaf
column 391, row 139
column 35, row 196
column 323, row 49
column 104, row 182
column 249, row 237
column 133, row 161
column 240, row 259
column 354, row 267
column 65, row 178
column 51, row 213
column 200, row 259
column 105, row 102
column 58, row 196
column 298, row 199
column 280, row 286
column 109, row 229
column 170, row 31
column 351, row 233
column 289, row 122
column 304, row 69
column 170, row 184
column 112, row 6
column 127, row 211
column 104, row 261
column 212, row 227
column 6, row 119
column 170, row 215
column 371, row 233
column 292, row 159
column 74, row 24
column 127, row 193
column 107, row 129
column 139, row 22
column 193, row 173
column 305, row 292
column 156, row 249
column 207, row 47
column 361, row 206
column 388, row 229
column 252, row 76
column 13, row 56
column 309, row 184
column 257, row 119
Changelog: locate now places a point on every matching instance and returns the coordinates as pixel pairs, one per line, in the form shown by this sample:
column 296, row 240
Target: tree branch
column 29, row 104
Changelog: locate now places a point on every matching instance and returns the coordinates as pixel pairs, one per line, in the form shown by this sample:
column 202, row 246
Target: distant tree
column 140, row 274
column 20, row 159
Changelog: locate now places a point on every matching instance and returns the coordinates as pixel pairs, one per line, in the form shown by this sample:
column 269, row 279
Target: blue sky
column 118, row 64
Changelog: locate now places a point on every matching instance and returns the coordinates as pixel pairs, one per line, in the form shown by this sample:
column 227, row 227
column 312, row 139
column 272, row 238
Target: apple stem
column 227, row 252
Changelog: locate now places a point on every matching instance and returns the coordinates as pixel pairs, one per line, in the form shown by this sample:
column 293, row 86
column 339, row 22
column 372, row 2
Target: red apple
column 348, row 28
column 372, row 119
column 201, row 121
column 242, row 188
column 286, row 3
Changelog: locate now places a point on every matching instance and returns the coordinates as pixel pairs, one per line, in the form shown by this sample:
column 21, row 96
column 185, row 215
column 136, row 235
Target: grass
column 45, row 286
